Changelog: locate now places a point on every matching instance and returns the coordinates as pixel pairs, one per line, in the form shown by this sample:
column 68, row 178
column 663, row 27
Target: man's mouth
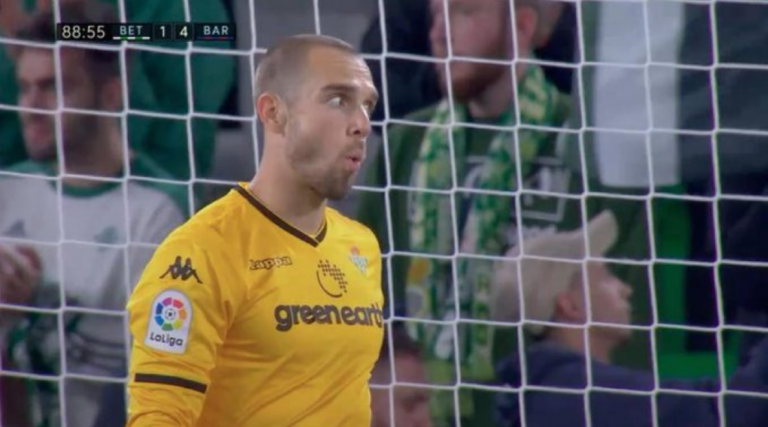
column 355, row 161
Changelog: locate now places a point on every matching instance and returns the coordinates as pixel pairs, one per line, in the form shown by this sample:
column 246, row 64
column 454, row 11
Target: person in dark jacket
column 567, row 372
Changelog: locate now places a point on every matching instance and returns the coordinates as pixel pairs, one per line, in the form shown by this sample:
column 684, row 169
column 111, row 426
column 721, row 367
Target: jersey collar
column 314, row 241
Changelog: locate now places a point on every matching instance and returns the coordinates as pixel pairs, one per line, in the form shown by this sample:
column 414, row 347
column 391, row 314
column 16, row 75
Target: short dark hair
column 402, row 344
column 283, row 63
column 102, row 64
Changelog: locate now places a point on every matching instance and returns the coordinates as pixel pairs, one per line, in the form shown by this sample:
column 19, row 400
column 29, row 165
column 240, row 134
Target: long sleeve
column 179, row 316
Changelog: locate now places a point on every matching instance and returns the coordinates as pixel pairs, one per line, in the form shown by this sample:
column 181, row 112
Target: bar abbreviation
column 215, row 32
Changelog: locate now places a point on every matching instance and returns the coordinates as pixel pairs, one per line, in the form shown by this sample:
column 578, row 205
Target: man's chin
column 459, row 89
column 462, row 90
column 338, row 195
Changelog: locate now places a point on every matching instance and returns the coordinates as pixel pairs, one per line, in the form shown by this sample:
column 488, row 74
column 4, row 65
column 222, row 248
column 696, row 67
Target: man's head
column 90, row 80
column 409, row 405
column 480, row 30
column 553, row 285
column 314, row 95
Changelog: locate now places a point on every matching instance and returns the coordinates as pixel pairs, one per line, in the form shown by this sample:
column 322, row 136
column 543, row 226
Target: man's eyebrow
column 339, row 87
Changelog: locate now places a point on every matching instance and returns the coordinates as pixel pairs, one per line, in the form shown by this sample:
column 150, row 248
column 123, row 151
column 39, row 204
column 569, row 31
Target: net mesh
column 625, row 131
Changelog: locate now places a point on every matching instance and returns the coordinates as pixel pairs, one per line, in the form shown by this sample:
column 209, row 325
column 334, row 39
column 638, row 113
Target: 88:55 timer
column 82, row 32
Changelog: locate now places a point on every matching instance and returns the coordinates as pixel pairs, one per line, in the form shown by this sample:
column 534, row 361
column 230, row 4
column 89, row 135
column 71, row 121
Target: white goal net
column 650, row 109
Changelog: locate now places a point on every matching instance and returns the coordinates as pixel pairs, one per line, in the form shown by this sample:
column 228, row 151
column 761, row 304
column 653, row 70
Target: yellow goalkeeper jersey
column 241, row 319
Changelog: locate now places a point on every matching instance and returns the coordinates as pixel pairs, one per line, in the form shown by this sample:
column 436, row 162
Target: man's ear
column 568, row 308
column 272, row 112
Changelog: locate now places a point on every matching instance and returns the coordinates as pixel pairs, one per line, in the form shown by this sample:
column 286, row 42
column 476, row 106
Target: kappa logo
column 358, row 260
column 269, row 263
column 184, row 271
column 328, row 270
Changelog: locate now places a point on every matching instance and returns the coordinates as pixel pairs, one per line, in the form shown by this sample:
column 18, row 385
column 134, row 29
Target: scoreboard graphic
column 173, row 31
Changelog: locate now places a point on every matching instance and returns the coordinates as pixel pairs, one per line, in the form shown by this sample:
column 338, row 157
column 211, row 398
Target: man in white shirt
column 76, row 228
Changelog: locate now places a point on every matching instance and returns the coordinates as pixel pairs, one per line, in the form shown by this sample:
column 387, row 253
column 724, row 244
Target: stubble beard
column 476, row 77
column 329, row 183
column 340, row 188
column 470, row 85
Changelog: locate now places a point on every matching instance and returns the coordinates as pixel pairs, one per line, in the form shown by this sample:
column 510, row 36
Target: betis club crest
column 358, row 260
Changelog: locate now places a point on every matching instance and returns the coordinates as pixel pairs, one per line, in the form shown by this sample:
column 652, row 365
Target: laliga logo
column 169, row 326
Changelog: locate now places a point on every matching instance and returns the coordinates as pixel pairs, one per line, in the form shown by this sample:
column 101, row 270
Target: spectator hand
column 20, row 272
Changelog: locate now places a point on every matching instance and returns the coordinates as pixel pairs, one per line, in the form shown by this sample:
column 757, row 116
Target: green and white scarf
column 489, row 219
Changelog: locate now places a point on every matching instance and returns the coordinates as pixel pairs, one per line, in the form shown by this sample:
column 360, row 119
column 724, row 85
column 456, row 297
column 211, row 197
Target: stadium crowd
column 544, row 139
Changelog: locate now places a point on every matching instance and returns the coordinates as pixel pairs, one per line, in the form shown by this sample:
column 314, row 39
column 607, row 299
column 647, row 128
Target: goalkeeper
column 265, row 309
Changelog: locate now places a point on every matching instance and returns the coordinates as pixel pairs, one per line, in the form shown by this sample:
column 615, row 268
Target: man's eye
column 336, row 101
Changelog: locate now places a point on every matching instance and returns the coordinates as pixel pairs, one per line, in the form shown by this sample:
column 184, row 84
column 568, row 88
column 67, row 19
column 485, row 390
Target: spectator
column 485, row 157
column 409, row 404
column 157, row 82
column 555, row 290
column 412, row 84
column 84, row 236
